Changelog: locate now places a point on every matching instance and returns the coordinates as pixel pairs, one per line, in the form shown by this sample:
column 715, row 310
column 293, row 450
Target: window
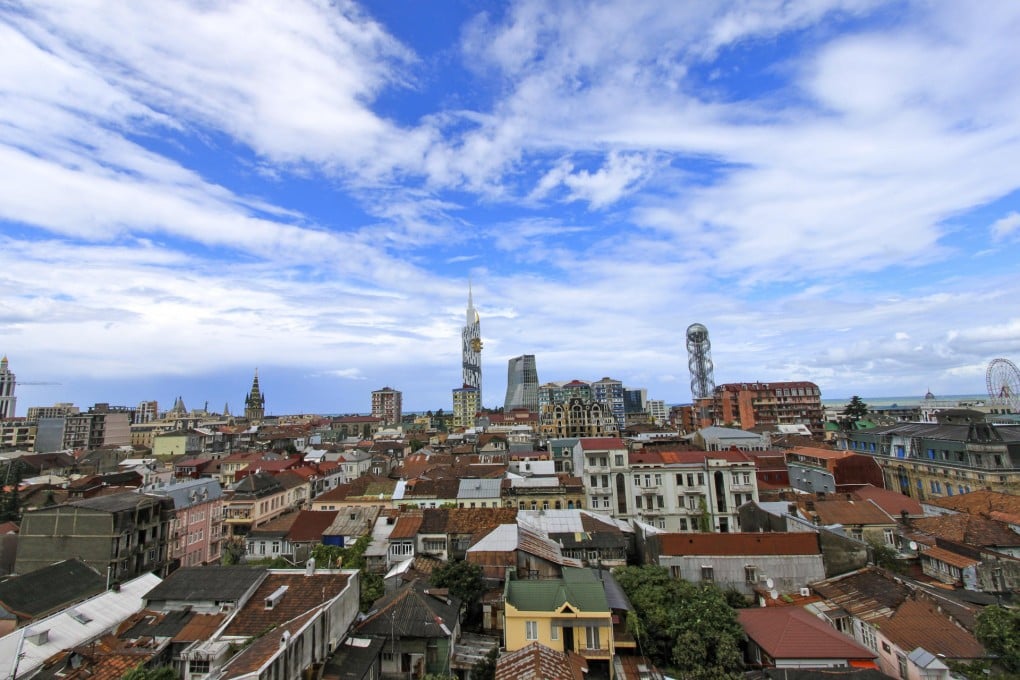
column 531, row 630
column 707, row 573
column 701, row 479
column 674, row 571
column 902, row 663
column 660, row 502
column 637, row 480
column 683, row 524
column 750, row 574
column 198, row 666
column 554, row 632
column 618, row 459
column 658, row 480
column 637, row 502
column 888, row 535
column 679, row 480
column 591, row 637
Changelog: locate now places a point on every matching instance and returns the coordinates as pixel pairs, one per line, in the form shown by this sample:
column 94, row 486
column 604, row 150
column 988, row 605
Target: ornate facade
column 255, row 402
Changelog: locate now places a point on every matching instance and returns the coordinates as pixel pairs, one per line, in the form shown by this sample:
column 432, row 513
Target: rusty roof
column 407, row 526
column 770, row 543
column 949, row 557
column 972, row 530
column 256, row 655
column 538, row 662
column 892, row 502
column 980, row 502
column 846, row 512
column 303, row 594
column 919, row 623
column 865, row 594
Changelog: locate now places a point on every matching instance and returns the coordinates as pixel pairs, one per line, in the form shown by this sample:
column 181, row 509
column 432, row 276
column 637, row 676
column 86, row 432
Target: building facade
column 7, row 383
column 578, row 418
column 748, row 405
column 122, row 535
column 937, row 460
column 387, row 404
column 196, row 529
column 255, row 401
column 521, row 384
column 466, row 403
column 471, row 349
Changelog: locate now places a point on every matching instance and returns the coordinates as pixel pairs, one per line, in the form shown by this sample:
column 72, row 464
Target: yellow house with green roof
column 570, row 613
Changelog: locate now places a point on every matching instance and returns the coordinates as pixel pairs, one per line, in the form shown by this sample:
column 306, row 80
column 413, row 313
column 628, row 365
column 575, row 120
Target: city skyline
column 188, row 192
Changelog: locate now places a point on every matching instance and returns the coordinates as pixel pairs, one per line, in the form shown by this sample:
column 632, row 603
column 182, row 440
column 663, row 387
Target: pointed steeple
column 255, row 402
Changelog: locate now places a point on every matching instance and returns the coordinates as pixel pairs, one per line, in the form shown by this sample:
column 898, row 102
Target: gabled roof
column 303, row 593
column 949, row 557
column 769, row 543
column 538, row 662
column 479, row 488
column 412, row 612
column 793, row 633
column 865, row 593
column 980, row 502
column 918, row 623
column 212, row 583
column 578, row 588
column 309, row 525
column 407, row 526
column 972, row 530
column 892, row 502
column 50, row 588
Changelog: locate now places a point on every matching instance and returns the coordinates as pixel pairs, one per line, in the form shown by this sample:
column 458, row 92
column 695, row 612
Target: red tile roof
column 949, row 557
column 309, row 525
column 601, row 443
column 893, row 502
column 918, row 623
column 849, row 512
column 800, row 543
column 303, row 594
column 793, row 633
column 407, row 526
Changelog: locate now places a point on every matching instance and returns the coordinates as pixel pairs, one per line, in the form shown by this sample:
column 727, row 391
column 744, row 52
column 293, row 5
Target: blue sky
column 189, row 191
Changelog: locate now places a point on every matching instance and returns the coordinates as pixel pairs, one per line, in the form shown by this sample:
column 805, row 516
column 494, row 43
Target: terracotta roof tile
column 792, row 632
column 303, row 594
column 973, row 530
column 918, row 623
column 849, row 512
column 538, row 662
column 407, row 526
column 949, row 557
column 310, row 524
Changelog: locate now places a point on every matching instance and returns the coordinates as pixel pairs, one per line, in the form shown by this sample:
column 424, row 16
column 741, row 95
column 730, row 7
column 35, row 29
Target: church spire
column 255, row 402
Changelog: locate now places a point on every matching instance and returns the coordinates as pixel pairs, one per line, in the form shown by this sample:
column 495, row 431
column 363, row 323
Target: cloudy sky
column 191, row 190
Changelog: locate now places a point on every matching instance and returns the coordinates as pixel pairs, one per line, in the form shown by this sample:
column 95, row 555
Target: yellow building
column 569, row 614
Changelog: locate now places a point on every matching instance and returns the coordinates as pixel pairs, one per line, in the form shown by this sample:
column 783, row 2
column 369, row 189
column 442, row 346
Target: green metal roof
column 580, row 588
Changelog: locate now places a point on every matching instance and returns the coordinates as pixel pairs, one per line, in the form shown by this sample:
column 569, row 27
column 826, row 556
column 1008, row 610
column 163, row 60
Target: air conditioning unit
column 805, row 592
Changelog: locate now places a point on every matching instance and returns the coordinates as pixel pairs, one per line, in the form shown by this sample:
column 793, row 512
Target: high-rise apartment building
column 147, row 411
column 466, row 404
column 471, row 350
column 7, row 399
column 748, row 405
column 387, row 405
column 521, row 384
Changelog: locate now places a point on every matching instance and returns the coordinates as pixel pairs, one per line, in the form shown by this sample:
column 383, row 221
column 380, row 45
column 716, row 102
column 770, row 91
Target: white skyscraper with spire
column 471, row 348
column 7, row 399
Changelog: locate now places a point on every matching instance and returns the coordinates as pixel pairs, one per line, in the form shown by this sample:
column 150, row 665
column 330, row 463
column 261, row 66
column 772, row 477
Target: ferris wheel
column 1003, row 380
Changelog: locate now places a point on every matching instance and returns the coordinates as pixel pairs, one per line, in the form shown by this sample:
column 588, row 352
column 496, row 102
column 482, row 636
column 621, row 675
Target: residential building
column 569, row 614
column 813, row 470
column 122, row 535
column 951, row 457
column 145, row 412
column 611, row 393
column 716, row 438
column 387, row 405
column 745, row 562
column 602, row 466
column 790, row 637
column 7, row 383
column 103, row 425
column 656, row 409
column 25, row 652
column 419, row 627
column 578, row 418
column 914, row 632
column 17, row 434
column 196, row 530
column 252, row 502
column 553, row 393
column 538, row 662
column 554, row 492
column 56, row 411
column 749, row 405
column 467, row 401
column 521, row 384
column 682, row 491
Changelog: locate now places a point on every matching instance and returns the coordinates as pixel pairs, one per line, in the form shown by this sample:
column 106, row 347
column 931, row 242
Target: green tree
column 462, row 578
column 998, row 629
column 140, row 672
column 686, row 626
column 485, row 669
column 885, row 556
column 855, row 410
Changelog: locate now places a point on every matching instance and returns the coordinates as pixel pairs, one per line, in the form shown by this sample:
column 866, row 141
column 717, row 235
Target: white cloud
column 1004, row 227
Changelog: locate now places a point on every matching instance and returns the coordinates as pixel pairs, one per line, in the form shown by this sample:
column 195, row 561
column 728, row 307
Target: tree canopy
column 462, row 578
column 998, row 629
column 686, row 626
column 856, row 409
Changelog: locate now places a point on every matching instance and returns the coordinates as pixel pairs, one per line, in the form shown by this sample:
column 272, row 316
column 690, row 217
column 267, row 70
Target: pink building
column 196, row 531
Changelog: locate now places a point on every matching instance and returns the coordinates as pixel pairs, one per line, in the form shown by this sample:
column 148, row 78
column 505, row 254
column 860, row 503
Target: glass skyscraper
column 521, row 383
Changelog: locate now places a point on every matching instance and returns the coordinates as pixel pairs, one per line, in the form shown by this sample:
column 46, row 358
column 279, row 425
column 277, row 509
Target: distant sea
column 912, row 400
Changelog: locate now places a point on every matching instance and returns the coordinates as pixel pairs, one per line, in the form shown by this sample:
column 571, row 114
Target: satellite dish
column 769, row 583
column 774, row 594
column 913, row 545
